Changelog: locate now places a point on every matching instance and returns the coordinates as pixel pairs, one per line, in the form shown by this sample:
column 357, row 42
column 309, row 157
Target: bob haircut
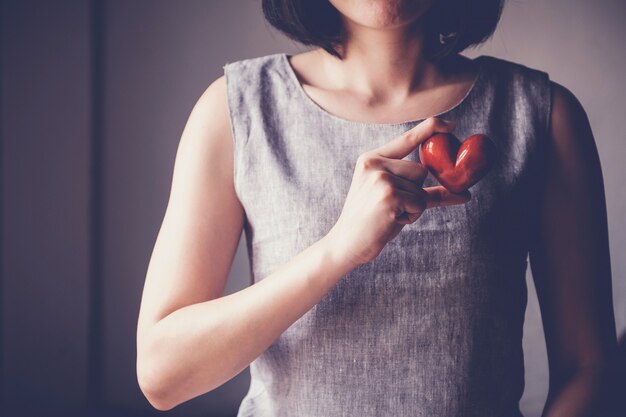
column 317, row 22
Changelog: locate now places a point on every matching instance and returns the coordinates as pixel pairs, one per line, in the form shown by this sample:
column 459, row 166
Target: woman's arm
column 190, row 338
column 571, row 265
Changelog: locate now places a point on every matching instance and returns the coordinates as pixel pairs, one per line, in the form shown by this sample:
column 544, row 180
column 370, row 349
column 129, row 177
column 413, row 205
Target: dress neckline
column 471, row 92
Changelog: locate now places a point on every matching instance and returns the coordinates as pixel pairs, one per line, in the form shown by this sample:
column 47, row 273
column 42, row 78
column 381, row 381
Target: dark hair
column 319, row 23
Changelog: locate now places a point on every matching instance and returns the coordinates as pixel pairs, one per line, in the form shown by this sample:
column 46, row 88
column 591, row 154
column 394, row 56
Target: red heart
column 457, row 166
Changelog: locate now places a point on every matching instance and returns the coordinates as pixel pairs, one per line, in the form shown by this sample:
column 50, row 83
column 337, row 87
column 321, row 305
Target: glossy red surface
column 457, row 166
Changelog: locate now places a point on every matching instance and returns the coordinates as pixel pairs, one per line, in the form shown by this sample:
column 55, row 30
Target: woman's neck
column 385, row 65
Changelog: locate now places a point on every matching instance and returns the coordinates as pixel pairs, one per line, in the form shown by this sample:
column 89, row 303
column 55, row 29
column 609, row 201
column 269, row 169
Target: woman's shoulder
column 518, row 86
column 511, row 70
column 254, row 65
column 254, row 77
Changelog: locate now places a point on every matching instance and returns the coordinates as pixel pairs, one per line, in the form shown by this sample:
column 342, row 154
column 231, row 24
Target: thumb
column 404, row 144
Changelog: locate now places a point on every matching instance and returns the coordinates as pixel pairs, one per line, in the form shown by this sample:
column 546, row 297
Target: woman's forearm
column 584, row 394
column 199, row 347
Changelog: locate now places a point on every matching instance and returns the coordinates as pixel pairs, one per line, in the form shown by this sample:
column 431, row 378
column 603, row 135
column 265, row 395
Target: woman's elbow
column 153, row 385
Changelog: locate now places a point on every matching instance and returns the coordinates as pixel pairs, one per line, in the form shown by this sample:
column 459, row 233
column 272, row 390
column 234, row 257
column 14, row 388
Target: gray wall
column 94, row 97
column 45, row 131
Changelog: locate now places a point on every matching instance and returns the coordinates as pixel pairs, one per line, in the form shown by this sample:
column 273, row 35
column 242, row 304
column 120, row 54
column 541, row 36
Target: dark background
column 94, row 97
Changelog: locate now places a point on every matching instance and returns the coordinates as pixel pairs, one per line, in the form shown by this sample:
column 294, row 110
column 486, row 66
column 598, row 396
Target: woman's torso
column 431, row 327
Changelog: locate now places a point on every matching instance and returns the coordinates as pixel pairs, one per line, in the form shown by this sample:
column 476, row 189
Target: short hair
column 317, row 22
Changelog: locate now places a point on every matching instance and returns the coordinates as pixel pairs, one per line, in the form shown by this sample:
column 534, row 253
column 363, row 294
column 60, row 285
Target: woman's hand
column 386, row 194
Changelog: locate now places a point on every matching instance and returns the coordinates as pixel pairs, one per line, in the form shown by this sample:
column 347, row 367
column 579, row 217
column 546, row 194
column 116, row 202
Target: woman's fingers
column 401, row 183
column 414, row 202
column 404, row 144
column 411, row 205
column 435, row 196
column 440, row 196
column 412, row 199
column 411, row 170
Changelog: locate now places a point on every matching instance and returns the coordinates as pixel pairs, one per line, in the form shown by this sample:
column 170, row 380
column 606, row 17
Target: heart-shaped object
column 457, row 166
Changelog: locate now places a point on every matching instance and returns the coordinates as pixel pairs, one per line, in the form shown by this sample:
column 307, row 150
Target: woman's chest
column 294, row 196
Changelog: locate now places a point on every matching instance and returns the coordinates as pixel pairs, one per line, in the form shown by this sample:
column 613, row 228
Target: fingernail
column 449, row 122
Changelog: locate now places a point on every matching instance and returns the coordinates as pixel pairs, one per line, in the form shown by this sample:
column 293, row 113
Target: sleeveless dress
column 432, row 326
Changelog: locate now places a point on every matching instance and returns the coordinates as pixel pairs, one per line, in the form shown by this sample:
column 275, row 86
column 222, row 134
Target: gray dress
column 433, row 326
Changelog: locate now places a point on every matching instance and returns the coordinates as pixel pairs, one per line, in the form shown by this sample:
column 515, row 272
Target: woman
column 375, row 290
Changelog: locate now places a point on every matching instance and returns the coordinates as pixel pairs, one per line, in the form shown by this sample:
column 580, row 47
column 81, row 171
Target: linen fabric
column 433, row 326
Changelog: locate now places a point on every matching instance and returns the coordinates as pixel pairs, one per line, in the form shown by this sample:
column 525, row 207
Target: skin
column 192, row 339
